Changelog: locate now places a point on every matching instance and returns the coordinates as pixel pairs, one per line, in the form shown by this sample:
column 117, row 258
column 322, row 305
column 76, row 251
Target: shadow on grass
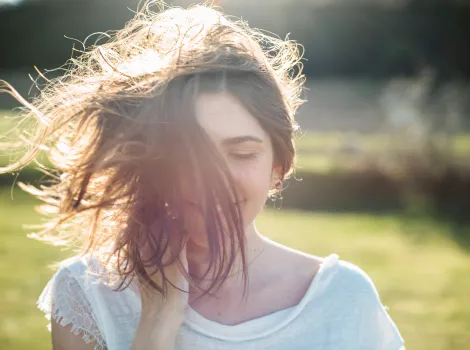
column 454, row 225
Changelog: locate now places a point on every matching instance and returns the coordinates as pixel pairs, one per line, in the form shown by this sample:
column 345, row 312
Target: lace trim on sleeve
column 65, row 301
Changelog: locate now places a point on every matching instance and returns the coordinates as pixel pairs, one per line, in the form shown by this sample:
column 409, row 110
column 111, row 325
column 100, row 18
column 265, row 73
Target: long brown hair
column 120, row 132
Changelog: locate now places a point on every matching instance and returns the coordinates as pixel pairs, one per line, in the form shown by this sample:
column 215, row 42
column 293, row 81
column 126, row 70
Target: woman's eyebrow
column 240, row 139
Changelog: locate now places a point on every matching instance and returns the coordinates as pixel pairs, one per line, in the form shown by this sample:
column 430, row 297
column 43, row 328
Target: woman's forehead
column 222, row 116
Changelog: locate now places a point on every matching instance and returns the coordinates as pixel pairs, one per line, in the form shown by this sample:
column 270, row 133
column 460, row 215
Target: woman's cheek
column 257, row 180
column 256, row 188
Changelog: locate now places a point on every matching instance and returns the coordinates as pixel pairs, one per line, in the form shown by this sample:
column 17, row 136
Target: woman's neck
column 198, row 261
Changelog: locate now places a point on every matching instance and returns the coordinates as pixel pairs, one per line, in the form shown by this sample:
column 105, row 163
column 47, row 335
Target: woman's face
column 247, row 150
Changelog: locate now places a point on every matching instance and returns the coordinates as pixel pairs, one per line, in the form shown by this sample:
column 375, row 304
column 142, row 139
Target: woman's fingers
column 169, row 272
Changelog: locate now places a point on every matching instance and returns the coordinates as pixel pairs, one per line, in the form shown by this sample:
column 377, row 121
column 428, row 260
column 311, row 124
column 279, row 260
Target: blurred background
column 383, row 174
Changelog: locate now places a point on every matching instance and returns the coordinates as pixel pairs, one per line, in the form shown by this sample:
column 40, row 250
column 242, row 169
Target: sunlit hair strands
column 120, row 132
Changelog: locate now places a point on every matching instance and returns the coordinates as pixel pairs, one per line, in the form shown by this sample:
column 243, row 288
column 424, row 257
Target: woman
column 168, row 139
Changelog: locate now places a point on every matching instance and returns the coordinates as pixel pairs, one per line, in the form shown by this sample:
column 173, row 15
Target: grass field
column 424, row 282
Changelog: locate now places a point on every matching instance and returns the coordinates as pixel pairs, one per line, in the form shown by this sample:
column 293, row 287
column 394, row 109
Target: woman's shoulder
column 76, row 264
column 67, row 299
column 352, row 291
column 353, row 278
column 333, row 269
column 325, row 273
column 79, row 264
column 345, row 283
column 343, row 276
column 79, row 277
column 333, row 276
column 84, row 270
column 351, row 270
column 338, row 278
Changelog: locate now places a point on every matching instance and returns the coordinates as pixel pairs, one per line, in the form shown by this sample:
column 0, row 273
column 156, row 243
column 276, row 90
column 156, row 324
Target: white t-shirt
column 340, row 310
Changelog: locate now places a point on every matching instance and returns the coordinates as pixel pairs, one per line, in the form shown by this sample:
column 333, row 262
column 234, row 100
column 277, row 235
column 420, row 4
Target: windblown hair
column 121, row 136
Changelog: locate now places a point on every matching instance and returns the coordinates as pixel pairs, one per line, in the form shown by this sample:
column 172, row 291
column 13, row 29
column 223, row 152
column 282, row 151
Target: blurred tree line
column 377, row 39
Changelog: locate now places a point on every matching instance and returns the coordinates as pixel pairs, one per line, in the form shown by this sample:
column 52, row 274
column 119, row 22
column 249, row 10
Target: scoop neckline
column 261, row 326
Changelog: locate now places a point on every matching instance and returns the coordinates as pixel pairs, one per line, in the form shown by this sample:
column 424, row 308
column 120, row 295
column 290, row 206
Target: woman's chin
column 197, row 243
column 197, row 251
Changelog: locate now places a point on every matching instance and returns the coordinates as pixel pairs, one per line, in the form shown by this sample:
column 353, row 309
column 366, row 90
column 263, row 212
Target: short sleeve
column 377, row 329
column 64, row 301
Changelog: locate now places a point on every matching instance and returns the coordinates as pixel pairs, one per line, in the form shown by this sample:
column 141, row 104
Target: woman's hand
column 162, row 317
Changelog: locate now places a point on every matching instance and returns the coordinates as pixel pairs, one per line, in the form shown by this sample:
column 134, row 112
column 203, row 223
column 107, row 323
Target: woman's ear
column 276, row 176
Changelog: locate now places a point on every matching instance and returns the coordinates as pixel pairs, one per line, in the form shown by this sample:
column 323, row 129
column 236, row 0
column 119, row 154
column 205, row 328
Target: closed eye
column 243, row 156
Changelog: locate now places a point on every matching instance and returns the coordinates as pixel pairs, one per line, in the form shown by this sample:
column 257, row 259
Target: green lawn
column 424, row 282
